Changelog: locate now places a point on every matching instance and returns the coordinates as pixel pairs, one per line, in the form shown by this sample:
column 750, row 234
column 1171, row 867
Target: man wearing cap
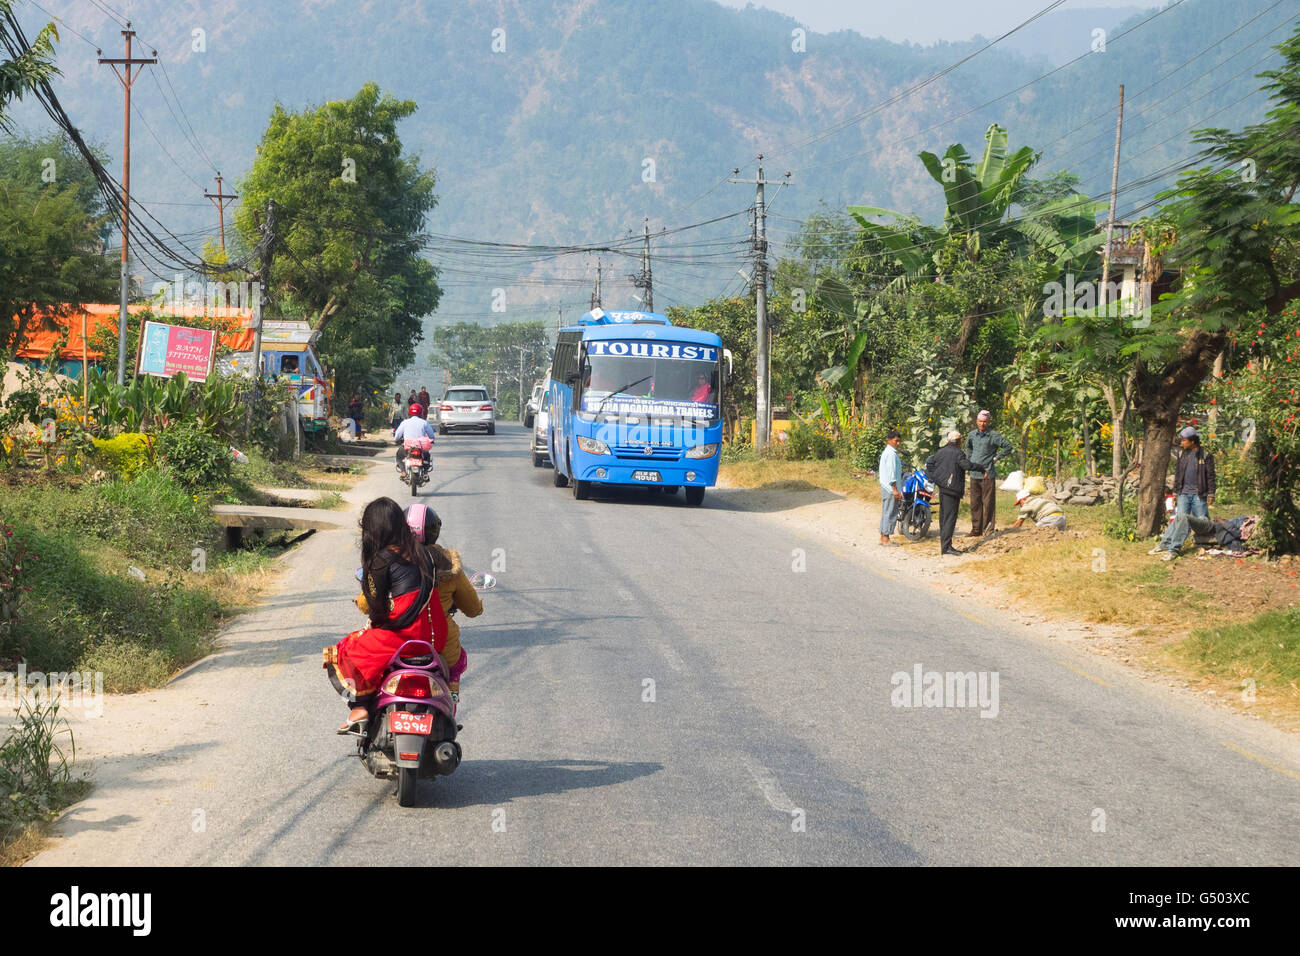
column 1044, row 512
column 986, row 448
column 947, row 468
column 891, row 486
column 1193, row 476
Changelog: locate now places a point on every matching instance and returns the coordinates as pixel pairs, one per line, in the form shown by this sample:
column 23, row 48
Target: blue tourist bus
column 635, row 400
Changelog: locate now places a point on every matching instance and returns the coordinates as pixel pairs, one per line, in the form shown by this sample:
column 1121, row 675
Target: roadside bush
column 35, row 774
column 810, row 442
column 152, row 518
column 126, row 454
column 13, row 592
column 194, row 455
column 1121, row 526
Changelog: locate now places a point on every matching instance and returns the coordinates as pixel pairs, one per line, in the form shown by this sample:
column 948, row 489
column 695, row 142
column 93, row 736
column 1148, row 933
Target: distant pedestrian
column 947, row 468
column 1194, row 481
column 397, row 413
column 891, row 486
column 355, row 410
column 986, row 448
column 424, row 399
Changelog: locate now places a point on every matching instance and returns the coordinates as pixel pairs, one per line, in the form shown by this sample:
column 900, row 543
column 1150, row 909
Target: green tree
column 1238, row 248
column 23, row 73
column 52, row 230
column 352, row 207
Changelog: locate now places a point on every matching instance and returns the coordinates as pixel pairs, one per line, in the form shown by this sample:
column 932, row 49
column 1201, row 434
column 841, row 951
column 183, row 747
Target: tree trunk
column 1156, row 446
column 1159, row 396
column 1088, row 461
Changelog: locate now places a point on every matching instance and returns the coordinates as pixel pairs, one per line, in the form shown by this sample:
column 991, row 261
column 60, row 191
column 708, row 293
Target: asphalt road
column 771, row 737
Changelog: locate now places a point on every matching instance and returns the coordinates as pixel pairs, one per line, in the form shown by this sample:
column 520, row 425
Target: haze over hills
column 547, row 140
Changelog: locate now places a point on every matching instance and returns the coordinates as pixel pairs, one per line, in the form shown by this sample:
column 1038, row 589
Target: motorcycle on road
column 914, row 513
column 411, row 733
column 419, row 462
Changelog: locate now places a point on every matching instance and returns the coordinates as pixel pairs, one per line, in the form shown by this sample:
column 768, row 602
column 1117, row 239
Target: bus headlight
column 592, row 446
column 702, row 451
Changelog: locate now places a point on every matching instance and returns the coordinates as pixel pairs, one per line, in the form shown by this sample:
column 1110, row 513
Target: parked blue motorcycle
column 914, row 513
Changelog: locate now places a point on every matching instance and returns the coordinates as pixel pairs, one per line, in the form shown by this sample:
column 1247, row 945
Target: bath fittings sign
column 168, row 349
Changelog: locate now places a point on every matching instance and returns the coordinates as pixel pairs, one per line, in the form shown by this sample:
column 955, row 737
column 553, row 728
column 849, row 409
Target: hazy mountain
column 547, row 140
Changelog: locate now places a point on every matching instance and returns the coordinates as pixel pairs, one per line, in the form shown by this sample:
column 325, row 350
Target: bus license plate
column 645, row 476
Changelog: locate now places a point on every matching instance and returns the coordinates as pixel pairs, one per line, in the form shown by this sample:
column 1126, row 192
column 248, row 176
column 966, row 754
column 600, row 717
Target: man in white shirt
column 891, row 486
column 413, row 427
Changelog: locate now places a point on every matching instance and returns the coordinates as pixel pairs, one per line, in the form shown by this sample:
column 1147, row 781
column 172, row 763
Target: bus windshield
column 651, row 379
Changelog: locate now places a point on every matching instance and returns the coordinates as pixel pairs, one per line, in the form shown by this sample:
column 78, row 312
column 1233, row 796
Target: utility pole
column 1110, row 219
column 595, row 296
column 127, row 79
column 263, row 275
column 763, row 413
column 644, row 280
column 221, row 200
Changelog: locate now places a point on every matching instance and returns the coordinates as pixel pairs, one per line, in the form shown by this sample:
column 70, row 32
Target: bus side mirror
column 726, row 354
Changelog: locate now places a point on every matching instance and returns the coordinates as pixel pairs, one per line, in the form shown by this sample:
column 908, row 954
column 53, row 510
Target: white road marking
column 772, row 791
column 624, row 595
column 674, row 659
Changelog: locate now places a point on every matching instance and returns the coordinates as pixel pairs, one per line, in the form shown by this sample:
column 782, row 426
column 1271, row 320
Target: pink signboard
column 168, row 349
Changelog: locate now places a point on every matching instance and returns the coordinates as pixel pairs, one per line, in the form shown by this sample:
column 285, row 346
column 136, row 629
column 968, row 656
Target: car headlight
column 592, row 446
column 702, row 451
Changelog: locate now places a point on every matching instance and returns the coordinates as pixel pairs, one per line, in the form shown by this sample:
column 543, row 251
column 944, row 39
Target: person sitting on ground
column 402, row 601
column 1231, row 534
column 1044, row 512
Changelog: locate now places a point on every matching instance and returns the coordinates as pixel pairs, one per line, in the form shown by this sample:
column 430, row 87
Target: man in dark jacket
column 947, row 468
column 1193, row 476
column 987, row 448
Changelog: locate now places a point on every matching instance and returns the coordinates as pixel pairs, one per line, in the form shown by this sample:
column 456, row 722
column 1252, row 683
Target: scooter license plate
column 645, row 476
column 414, row 463
column 400, row 722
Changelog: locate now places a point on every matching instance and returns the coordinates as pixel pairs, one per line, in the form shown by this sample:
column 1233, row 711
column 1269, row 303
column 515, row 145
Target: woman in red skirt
column 402, row 600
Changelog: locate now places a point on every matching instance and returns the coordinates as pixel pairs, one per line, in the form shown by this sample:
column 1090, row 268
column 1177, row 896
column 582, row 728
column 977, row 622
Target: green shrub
column 1121, row 526
column 126, row 454
column 194, row 455
column 13, row 592
column 810, row 442
column 35, row 774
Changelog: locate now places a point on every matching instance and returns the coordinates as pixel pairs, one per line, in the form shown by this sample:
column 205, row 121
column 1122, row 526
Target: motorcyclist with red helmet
column 412, row 428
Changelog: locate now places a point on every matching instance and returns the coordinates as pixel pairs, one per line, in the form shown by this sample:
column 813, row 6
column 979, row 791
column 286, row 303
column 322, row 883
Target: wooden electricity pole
column 222, row 200
column 127, row 79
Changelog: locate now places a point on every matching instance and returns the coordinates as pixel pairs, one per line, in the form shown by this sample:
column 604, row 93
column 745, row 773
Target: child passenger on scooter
column 454, row 588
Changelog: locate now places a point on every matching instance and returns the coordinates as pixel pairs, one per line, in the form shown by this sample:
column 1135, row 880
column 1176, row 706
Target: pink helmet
column 424, row 523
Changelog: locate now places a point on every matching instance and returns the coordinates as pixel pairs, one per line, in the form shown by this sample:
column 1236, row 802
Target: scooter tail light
column 410, row 685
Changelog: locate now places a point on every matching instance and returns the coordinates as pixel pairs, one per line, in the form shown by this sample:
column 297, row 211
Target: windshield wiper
column 601, row 408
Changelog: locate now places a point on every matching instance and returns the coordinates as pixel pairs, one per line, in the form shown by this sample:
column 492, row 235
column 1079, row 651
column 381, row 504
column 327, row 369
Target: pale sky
column 922, row 22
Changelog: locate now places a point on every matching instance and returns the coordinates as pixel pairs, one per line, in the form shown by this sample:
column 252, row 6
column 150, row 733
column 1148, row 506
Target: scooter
column 914, row 514
column 411, row 733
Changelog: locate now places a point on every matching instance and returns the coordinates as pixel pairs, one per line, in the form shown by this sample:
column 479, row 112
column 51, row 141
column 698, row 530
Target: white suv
column 466, row 407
